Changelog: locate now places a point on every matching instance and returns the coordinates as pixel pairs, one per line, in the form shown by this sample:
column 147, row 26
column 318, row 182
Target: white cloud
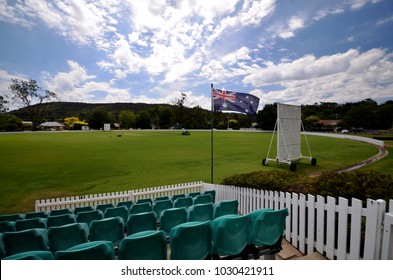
column 294, row 24
column 338, row 78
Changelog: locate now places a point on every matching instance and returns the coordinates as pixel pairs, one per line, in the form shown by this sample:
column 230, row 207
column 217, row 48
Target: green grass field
column 48, row 165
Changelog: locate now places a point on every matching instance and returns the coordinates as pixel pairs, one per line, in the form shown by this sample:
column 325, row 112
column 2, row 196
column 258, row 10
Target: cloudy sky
column 295, row 52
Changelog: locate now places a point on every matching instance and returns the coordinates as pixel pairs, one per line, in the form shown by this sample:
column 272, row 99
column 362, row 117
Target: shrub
column 357, row 184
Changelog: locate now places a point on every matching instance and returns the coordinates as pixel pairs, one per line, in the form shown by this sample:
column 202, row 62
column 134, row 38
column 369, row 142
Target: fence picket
column 312, row 224
column 342, row 228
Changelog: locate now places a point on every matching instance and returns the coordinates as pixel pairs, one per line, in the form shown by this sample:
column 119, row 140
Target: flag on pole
column 235, row 101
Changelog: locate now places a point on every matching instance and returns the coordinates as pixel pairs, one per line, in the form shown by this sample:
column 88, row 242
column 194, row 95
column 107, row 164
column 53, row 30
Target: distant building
column 330, row 124
column 52, row 126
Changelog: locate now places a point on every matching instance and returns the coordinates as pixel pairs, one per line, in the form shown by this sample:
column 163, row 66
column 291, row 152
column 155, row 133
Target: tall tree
column 3, row 105
column 28, row 94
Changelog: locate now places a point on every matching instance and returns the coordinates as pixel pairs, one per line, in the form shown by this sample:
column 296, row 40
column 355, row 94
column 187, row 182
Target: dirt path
column 382, row 152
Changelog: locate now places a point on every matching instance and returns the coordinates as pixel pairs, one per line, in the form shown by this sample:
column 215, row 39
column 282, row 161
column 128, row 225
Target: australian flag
column 235, row 101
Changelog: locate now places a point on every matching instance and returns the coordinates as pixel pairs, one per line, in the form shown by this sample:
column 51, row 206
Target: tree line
column 366, row 114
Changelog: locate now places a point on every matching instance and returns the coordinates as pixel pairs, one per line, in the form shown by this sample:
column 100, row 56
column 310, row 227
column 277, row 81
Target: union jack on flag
column 235, row 101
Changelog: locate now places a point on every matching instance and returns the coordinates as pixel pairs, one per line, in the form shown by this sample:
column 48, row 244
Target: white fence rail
column 340, row 229
column 116, row 197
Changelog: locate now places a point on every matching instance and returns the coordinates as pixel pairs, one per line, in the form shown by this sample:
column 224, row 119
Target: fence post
column 387, row 241
column 372, row 244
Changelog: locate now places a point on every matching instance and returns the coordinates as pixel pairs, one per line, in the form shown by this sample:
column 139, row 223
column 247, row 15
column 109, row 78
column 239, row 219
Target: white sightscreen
column 288, row 132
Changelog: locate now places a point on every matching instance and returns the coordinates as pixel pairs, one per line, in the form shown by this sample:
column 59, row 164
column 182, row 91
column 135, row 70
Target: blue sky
column 295, row 52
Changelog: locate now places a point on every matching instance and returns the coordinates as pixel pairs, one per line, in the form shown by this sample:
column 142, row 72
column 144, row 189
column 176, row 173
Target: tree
column 9, row 122
column 3, row 103
column 29, row 93
column 98, row 117
column 127, row 119
column 143, row 120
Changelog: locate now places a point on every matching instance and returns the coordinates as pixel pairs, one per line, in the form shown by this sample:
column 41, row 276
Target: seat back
column 144, row 200
column 183, row 202
column 267, row 226
column 140, row 208
column 82, row 209
column 40, row 214
column 145, row 245
column 7, row 226
column 59, row 212
column 225, row 207
column 60, row 220
column 88, row 216
column 35, row 239
column 127, row 203
column 200, row 212
column 191, row 241
column 103, row 207
column 161, row 205
column 67, row 236
column 171, row 218
column 119, row 211
column 109, row 229
column 141, row 222
column 161, row 198
column 12, row 217
column 176, row 196
column 230, row 234
column 193, row 194
column 94, row 250
column 202, row 198
column 31, row 255
column 30, row 223
column 212, row 194
column 2, row 249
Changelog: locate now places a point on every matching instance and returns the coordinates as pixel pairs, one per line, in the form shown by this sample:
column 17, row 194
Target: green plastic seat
column 94, row 250
column 161, row 205
column 109, row 229
column 31, row 255
column 144, row 200
column 183, row 202
column 171, row 218
column 141, row 222
column 12, row 217
column 2, row 249
column 59, row 212
column 60, row 220
column 140, row 208
column 225, row 207
column 193, row 194
column 7, row 226
column 266, row 232
column 191, row 241
column 89, row 216
column 268, row 226
column 35, row 239
column 202, row 198
column 200, row 212
column 40, row 214
column 119, row 211
column 30, row 223
column 83, row 209
column 161, row 198
column 66, row 236
column 212, row 194
column 145, row 245
column 176, row 196
column 127, row 203
column 230, row 235
column 103, row 207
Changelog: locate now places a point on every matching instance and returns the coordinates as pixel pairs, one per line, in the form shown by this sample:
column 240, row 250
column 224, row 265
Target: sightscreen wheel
column 292, row 167
column 313, row 161
column 264, row 162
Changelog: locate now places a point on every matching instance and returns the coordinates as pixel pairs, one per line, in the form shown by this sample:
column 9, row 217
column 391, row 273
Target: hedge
column 358, row 184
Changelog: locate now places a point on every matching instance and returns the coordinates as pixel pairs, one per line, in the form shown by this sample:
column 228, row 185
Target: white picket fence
column 338, row 229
